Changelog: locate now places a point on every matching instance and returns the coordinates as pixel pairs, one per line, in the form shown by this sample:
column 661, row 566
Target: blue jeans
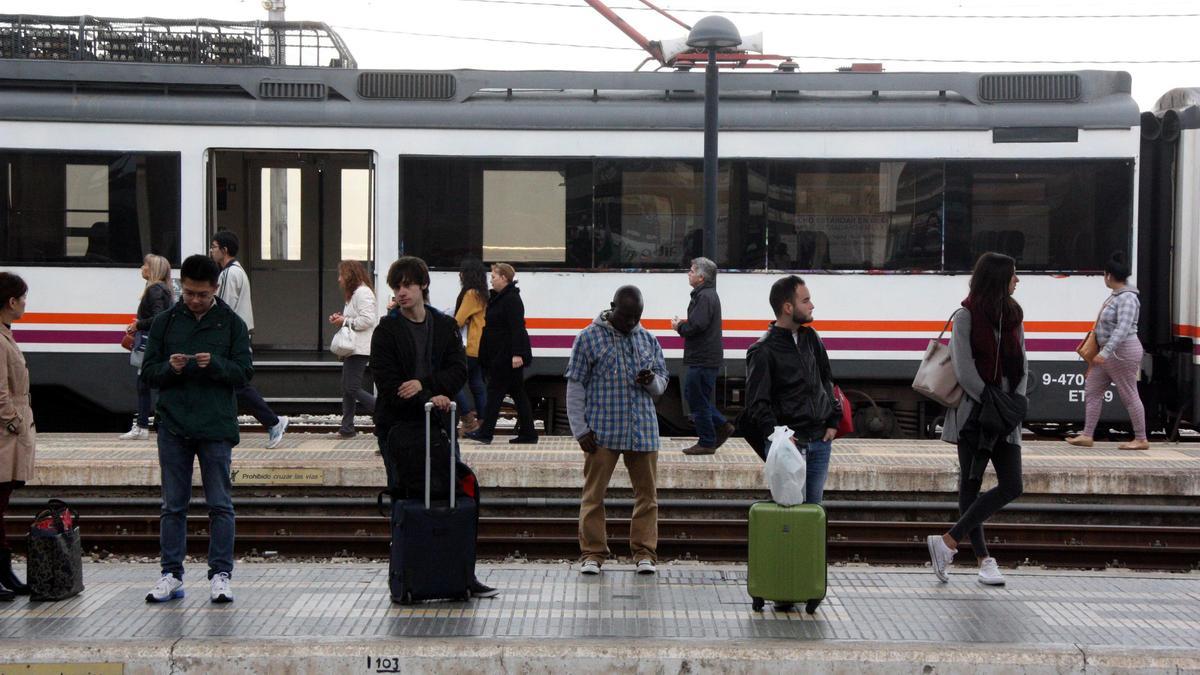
column 473, row 395
column 144, row 402
column 175, row 455
column 817, row 460
column 699, row 384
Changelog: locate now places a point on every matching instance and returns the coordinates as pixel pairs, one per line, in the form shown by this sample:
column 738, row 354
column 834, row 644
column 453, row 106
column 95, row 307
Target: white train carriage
column 880, row 189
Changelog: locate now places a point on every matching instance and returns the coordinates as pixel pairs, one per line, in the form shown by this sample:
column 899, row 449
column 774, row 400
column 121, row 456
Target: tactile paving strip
column 554, row 601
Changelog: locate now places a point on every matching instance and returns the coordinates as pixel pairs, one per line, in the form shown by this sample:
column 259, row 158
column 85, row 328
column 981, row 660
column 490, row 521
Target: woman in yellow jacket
column 16, row 421
column 469, row 311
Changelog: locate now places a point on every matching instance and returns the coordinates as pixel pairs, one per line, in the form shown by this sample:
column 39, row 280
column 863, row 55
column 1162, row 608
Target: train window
column 523, row 216
column 355, row 200
column 1049, row 215
column 84, row 208
column 854, row 215
column 281, row 213
column 531, row 211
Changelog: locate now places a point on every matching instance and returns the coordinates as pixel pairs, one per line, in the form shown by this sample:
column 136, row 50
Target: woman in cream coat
column 16, row 421
column 361, row 314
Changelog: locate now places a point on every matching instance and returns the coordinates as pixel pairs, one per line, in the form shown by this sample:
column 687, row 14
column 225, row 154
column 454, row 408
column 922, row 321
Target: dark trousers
column 699, row 385
column 250, row 400
column 6, row 490
column 352, row 391
column 503, row 379
column 472, row 397
column 975, row 508
column 176, row 455
column 144, row 402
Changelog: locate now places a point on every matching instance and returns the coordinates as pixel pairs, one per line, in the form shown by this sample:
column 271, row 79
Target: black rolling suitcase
column 433, row 541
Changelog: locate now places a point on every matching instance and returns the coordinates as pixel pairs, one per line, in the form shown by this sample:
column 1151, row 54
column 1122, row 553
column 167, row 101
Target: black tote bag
column 55, row 568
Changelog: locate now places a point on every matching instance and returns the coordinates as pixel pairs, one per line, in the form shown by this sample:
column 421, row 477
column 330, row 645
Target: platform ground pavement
column 866, row 465
column 688, row 618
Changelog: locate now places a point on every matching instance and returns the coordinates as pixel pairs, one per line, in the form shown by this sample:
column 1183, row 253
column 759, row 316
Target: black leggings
column 974, row 508
column 6, row 490
column 503, row 379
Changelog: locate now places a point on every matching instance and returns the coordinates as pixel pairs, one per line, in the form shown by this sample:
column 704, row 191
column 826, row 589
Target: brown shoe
column 1081, row 441
column 470, row 423
column 698, row 449
column 724, row 433
column 1135, row 445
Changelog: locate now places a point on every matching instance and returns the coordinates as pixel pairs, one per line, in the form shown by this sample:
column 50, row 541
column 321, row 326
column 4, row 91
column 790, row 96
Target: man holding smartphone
column 615, row 374
column 197, row 355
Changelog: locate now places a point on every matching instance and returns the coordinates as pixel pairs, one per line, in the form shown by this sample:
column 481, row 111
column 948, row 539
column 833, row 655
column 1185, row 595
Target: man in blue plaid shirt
column 615, row 373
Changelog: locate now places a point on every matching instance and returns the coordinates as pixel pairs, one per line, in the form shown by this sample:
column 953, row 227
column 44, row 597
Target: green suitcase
column 787, row 555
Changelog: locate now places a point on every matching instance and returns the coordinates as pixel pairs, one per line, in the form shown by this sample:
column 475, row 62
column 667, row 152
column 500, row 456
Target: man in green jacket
column 197, row 355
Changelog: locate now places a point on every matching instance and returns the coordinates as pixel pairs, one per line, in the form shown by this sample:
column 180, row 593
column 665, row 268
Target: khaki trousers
column 643, row 528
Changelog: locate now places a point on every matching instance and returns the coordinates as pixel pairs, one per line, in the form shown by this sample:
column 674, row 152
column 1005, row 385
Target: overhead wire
column 847, row 15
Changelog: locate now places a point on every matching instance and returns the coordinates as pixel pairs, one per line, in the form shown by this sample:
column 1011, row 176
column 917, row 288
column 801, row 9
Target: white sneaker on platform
column 167, row 588
column 219, row 590
column 940, row 555
column 590, row 568
column 646, row 566
column 275, row 433
column 135, row 434
column 989, row 573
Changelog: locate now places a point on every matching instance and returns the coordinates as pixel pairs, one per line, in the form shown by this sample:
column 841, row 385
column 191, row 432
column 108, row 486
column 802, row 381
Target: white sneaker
column 590, row 568
column 167, row 588
column 219, row 588
column 136, row 433
column 940, row 555
column 646, row 566
column 989, row 573
column 275, row 433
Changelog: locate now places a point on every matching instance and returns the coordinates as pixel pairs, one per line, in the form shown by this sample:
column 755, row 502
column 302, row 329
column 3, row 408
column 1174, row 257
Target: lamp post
column 710, row 34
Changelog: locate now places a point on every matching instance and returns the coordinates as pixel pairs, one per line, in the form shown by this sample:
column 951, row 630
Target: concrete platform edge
column 487, row 656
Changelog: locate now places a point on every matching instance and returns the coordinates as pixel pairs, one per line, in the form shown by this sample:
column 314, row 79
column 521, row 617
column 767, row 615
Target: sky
column 1153, row 40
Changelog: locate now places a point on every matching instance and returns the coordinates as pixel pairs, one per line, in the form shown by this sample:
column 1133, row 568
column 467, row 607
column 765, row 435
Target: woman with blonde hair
column 157, row 297
column 504, row 353
column 16, row 421
column 361, row 315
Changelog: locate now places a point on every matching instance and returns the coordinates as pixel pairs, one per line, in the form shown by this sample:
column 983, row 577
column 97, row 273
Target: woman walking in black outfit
column 504, row 352
column 157, row 297
column 987, row 348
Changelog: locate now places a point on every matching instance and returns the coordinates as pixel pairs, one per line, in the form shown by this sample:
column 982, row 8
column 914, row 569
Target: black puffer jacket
column 789, row 382
column 155, row 300
column 504, row 334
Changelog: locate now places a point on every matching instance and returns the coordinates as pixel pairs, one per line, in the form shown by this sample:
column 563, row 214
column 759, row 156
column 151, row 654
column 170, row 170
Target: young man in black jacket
column 417, row 356
column 789, row 383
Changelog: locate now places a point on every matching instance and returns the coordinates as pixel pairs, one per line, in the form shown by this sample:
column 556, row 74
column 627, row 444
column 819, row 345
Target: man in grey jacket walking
column 703, row 355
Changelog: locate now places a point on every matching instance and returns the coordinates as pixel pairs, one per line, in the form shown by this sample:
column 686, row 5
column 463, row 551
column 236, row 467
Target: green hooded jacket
column 199, row 403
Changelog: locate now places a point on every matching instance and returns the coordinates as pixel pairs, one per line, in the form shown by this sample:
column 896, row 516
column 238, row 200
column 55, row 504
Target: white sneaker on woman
column 989, row 573
column 135, row 434
column 940, row 555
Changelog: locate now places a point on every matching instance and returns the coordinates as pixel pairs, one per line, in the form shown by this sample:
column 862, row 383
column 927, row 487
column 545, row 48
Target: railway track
column 1054, row 545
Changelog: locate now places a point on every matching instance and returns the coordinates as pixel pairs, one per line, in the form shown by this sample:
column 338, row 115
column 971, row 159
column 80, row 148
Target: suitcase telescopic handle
column 453, row 435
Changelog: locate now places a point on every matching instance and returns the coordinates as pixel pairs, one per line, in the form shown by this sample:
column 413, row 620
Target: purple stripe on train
column 77, row 337
column 841, row 344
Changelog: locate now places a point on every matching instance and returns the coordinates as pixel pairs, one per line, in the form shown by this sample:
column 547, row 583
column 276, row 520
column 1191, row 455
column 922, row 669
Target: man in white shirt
column 234, row 289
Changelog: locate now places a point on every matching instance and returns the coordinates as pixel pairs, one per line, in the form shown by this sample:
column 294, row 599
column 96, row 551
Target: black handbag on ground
column 55, row 567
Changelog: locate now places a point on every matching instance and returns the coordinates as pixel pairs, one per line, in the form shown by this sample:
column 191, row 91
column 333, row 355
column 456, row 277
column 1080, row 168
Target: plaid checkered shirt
column 618, row 409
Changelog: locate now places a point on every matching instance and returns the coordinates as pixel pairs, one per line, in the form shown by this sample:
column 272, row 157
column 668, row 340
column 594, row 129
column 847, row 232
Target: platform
column 688, row 618
column 858, row 465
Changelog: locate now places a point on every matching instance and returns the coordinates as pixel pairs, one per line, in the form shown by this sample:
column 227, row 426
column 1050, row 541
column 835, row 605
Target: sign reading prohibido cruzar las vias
column 270, row 475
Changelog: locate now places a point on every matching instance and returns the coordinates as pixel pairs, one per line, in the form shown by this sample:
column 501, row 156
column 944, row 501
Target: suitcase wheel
column 811, row 606
column 758, row 604
column 407, row 598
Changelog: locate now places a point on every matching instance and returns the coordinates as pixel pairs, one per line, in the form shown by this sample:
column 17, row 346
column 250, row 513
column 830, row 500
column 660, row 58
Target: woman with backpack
column 157, row 297
column 987, row 349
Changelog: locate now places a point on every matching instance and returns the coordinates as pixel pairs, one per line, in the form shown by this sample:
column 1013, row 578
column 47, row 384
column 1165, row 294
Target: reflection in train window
column 1049, row 215
column 88, row 208
column 524, row 216
column 281, row 204
column 855, row 215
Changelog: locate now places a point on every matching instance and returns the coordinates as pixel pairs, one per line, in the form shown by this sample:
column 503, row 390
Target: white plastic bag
column 343, row 341
column 785, row 469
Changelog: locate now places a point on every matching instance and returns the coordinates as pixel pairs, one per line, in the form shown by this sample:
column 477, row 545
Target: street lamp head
column 714, row 32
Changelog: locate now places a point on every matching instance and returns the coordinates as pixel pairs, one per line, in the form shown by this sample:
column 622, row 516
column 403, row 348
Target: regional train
column 880, row 189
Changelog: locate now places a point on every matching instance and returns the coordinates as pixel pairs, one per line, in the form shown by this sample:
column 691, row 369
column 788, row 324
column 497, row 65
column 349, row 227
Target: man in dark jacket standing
column 197, row 356
column 417, row 357
column 789, row 383
column 703, row 355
